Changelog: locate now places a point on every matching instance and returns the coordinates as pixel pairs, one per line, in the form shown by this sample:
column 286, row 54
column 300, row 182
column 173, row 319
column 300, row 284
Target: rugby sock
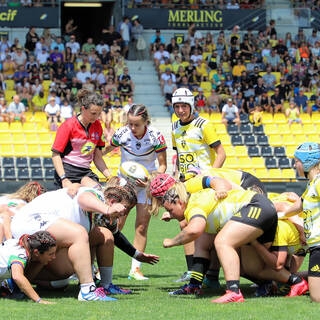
column 293, row 279
column 189, row 260
column 106, row 276
column 213, row 274
column 199, row 269
column 233, row 285
column 86, row 287
column 135, row 264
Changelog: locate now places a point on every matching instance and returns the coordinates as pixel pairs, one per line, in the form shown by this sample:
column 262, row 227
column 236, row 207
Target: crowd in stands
column 28, row 3
column 197, row 4
column 244, row 72
column 46, row 72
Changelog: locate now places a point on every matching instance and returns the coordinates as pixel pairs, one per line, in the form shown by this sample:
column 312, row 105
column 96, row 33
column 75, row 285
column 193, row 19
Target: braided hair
column 28, row 191
column 41, row 240
column 140, row 110
column 121, row 193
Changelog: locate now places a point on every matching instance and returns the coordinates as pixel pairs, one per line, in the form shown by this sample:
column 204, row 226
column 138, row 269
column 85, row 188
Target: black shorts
column 314, row 262
column 248, row 180
column 260, row 213
column 74, row 174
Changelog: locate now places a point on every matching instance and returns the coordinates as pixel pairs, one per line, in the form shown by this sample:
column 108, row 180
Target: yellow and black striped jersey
column 195, row 142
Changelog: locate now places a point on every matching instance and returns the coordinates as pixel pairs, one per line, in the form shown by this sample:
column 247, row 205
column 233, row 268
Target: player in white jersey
column 144, row 144
column 69, row 221
column 10, row 203
column 307, row 163
column 16, row 254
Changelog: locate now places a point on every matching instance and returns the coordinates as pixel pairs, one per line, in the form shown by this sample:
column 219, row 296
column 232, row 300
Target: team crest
column 138, row 145
column 183, row 144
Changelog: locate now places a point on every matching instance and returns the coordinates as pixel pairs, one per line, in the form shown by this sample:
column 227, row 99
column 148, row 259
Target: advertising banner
column 204, row 19
column 44, row 17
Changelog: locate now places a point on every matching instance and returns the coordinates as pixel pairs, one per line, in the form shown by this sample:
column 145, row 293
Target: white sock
column 85, row 287
column 106, row 276
column 135, row 264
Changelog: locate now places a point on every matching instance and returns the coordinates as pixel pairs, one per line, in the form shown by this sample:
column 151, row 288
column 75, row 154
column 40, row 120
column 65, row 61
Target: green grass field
column 151, row 300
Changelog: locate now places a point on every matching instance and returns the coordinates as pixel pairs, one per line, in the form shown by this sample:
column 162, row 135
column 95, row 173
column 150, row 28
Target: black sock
column 189, row 260
column 294, row 279
column 233, row 285
column 199, row 269
column 213, row 274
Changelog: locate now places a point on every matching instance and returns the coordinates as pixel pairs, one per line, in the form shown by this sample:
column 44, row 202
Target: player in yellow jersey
column 307, row 163
column 242, row 217
column 197, row 145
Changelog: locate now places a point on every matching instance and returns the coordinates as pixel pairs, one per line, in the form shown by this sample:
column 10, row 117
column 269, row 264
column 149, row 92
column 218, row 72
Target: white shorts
column 31, row 224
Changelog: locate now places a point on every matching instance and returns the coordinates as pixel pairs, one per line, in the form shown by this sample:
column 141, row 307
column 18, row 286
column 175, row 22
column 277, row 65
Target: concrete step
column 148, row 89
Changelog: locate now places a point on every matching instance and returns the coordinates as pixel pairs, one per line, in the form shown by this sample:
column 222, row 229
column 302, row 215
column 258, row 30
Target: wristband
column 63, row 177
column 136, row 254
column 38, row 301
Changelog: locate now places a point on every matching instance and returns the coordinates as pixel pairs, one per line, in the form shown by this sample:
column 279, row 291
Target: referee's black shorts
column 248, row 180
column 74, row 174
column 260, row 213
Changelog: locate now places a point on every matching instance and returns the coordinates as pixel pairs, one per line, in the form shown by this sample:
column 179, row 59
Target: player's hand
column 167, row 243
column 166, row 216
column 72, row 189
column 147, row 258
column 116, row 210
column 140, row 183
column 46, row 302
column 219, row 195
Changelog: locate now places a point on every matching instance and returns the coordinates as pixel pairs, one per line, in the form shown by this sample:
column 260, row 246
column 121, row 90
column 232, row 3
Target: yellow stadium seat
column 231, row 163
column 245, row 163
column 257, row 163
column 296, row 129
column 9, row 84
column 299, row 139
column 315, row 117
column 204, row 115
column 271, row 128
column 5, row 137
column 251, row 171
column 275, row 140
column 284, row 128
column 288, row 174
column 288, row 140
column 45, row 138
column 212, row 73
column 267, row 118
column 207, row 94
column 270, row 93
column 305, row 118
column 29, row 117
column 277, row 75
column 30, row 127
column 7, row 150
column 32, row 138
column 206, row 86
column 45, row 150
column 279, row 118
column 241, row 151
column 33, row 150
column 18, row 138
column 8, row 95
column 19, row 150
column 314, row 138
column 220, row 128
column 215, row 117
column 309, row 129
column 225, row 139
column 290, row 151
column 229, row 150
column 275, row 174
column 262, row 173
column 4, row 127
column 308, row 94
column 46, row 85
column 16, row 127
column 40, row 116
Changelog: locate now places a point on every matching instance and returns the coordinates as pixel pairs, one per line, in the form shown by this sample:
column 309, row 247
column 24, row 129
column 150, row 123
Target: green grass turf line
column 150, row 300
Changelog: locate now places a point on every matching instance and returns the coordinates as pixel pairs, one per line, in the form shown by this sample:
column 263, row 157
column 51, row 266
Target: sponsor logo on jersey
column 238, row 214
column 315, row 268
column 88, row 148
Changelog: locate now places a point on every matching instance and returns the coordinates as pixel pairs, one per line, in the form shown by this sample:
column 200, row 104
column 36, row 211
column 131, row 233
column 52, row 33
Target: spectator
column 159, row 56
column 40, row 45
column 237, row 70
column 9, row 67
column 293, row 113
column 155, row 41
column 301, row 100
column 200, row 101
column 284, row 89
column 111, row 36
column 86, row 48
column 230, row 113
column 125, row 90
column 168, row 74
column 256, row 116
column 125, row 34
column 4, row 116
column 98, row 77
column 42, row 57
column 69, row 30
column 264, row 102
column 57, row 43
column 168, row 88
column 137, row 38
column 313, row 38
column 83, row 74
column 16, row 110
column 19, row 57
column 52, row 110
column 66, row 111
column 55, row 54
column 213, row 102
column 276, row 101
column 269, row 80
column 19, row 75
column 38, row 102
column 300, row 37
column 102, row 45
column 73, row 45
column 316, row 106
column 31, row 39
column 274, row 60
column 53, row 94
column 88, row 85
column 232, row 4
column 5, row 45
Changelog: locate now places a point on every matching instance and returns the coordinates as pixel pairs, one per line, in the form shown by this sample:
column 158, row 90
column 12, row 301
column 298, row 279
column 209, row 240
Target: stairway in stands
column 147, row 91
